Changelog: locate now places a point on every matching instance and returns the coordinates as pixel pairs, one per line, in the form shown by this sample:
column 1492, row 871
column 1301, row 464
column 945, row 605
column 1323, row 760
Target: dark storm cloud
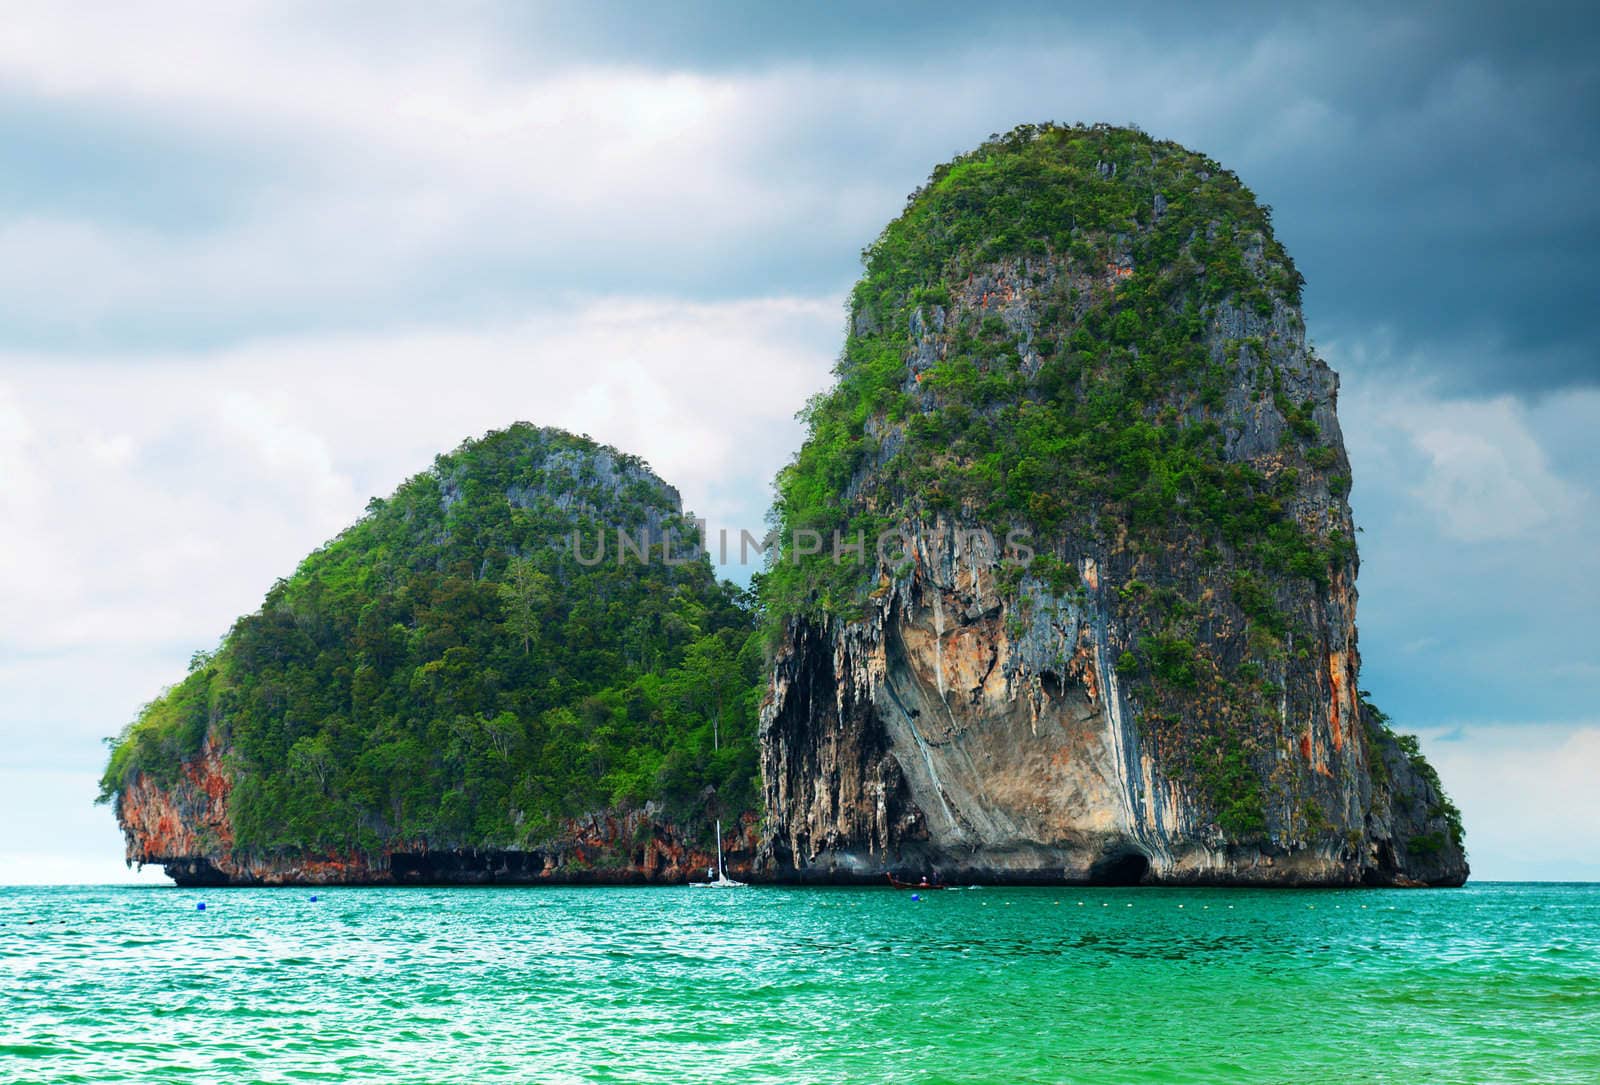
column 1450, row 196
column 1443, row 189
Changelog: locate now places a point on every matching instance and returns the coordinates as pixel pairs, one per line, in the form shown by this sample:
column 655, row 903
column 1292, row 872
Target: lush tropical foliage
column 450, row 670
column 1110, row 403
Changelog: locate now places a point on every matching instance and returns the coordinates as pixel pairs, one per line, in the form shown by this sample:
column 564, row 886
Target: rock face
column 927, row 739
column 185, row 829
column 1162, row 695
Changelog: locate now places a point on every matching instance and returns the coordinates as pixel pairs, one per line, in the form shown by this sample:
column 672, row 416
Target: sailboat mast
column 716, row 745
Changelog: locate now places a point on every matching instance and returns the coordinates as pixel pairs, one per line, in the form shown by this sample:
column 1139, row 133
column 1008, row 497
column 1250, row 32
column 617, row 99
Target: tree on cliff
column 526, row 594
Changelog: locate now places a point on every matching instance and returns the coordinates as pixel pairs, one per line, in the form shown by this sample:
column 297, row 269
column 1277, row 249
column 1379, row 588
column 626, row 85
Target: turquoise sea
column 1489, row 983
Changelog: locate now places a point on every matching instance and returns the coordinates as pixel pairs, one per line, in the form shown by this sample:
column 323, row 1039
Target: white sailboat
column 721, row 881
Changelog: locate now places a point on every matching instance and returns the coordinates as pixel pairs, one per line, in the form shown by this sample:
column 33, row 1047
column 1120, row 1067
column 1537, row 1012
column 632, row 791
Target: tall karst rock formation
column 1081, row 346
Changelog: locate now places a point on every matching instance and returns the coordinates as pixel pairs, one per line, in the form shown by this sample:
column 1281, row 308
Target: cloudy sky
column 259, row 265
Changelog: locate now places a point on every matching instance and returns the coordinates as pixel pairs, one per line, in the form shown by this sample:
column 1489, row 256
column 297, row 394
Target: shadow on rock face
column 1120, row 868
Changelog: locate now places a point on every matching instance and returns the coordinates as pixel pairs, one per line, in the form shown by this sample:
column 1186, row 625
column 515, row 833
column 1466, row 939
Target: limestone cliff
column 185, row 828
column 1117, row 642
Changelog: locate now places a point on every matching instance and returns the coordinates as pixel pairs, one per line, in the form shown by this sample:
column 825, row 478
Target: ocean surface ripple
column 1492, row 983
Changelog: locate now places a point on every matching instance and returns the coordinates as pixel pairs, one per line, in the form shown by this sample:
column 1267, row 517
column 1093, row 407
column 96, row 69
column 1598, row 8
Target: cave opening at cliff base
column 1120, row 868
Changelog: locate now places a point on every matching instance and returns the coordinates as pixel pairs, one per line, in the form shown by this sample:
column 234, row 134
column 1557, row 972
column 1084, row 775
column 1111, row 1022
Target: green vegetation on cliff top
column 1105, row 414
column 446, row 670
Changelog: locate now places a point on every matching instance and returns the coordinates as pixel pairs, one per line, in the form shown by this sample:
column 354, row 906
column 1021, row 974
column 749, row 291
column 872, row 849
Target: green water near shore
column 1489, row 983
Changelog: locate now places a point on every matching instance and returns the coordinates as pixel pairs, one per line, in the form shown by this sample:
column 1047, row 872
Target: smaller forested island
column 446, row 692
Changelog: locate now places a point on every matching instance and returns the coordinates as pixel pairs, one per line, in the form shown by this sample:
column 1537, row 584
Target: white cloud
column 263, row 429
column 153, row 503
column 78, row 843
column 406, row 172
column 1526, row 791
column 1480, row 580
column 456, row 166
column 15, row 436
column 1489, row 478
column 1479, row 465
